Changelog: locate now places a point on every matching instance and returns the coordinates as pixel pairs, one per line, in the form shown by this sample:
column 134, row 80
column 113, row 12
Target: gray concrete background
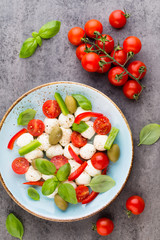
column 56, row 61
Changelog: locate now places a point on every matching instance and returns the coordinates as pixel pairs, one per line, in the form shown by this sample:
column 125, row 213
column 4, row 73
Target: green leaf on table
column 45, row 167
column 149, row 134
column 49, row 186
column 28, row 48
column 102, row 183
column 49, row 29
column 81, row 127
column 67, row 192
column 14, row 226
column 32, row 193
column 83, row 102
column 25, row 116
column 64, row 172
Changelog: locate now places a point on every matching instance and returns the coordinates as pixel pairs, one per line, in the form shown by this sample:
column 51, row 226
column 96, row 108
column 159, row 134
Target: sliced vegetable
column 81, row 127
column 102, row 183
column 37, row 183
column 86, row 114
column 102, row 125
column 74, row 155
column 83, row 102
column 45, row 167
column 78, row 140
column 15, row 137
column 149, row 134
column 90, row 198
column 29, row 147
column 61, row 103
column 59, row 161
column 67, row 193
column 20, row 165
column 14, row 226
column 32, row 193
column 64, row 172
column 36, row 127
column 78, row 172
column 49, row 186
column 25, row 116
column 82, row 192
column 112, row 136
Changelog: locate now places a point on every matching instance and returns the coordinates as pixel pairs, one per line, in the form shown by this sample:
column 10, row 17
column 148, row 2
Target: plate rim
column 89, row 215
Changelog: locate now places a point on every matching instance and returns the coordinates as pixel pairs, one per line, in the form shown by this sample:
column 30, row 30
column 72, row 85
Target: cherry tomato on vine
column 119, row 55
column 51, row 109
column 108, row 40
column 137, row 69
column 100, row 160
column 82, row 192
column 20, row 165
column 135, row 205
column 132, row 44
column 78, row 140
column 118, row 18
column 35, row 127
column 80, row 51
column 102, row 125
column 90, row 62
column 132, row 89
column 75, row 35
column 105, row 67
column 117, row 76
column 104, row 226
column 91, row 26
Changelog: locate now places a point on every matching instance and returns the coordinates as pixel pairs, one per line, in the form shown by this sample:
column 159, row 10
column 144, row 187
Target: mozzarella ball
column 44, row 140
column 37, row 153
column 79, row 111
column 83, row 179
column 91, row 170
column 32, row 175
column 54, row 151
column 87, row 151
column 46, row 177
column 89, row 133
column 74, row 165
column 53, row 194
column 66, row 121
column 50, row 123
column 66, row 152
column 99, row 142
column 66, row 137
column 71, row 182
column 24, row 139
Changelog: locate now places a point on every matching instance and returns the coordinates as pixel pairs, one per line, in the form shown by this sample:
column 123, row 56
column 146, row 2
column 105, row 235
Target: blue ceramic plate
column 45, row 208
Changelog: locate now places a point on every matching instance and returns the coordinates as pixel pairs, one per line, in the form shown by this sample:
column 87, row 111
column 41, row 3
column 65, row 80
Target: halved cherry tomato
column 120, row 56
column 91, row 26
column 74, row 155
column 59, row 161
column 78, row 140
column 35, row 127
column 80, row 51
column 137, row 69
column 102, row 125
column 105, row 67
column 100, row 160
column 51, row 109
column 135, row 205
column 77, row 172
column 117, row 18
column 75, row 35
column 132, row 89
column 132, row 44
column 86, row 114
column 108, row 42
column 90, row 62
column 37, row 183
column 82, row 192
column 20, row 165
column 117, row 76
column 90, row 198
column 104, row 226
column 15, row 137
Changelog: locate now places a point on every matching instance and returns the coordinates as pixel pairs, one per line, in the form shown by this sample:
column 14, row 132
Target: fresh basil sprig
column 80, row 127
column 49, row 186
column 49, row 29
column 25, row 116
column 14, row 226
column 64, row 172
column 32, row 193
column 83, row 101
column 102, row 183
column 45, row 167
column 67, row 192
column 149, row 134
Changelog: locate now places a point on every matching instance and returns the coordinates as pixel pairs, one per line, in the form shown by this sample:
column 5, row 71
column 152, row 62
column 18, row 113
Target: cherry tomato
column 51, row 109
column 82, row 192
column 20, row 165
column 109, row 42
column 117, row 19
column 104, row 226
column 59, row 161
column 102, row 125
column 132, row 89
column 132, row 44
column 117, row 77
column 80, row 51
column 75, row 35
column 91, row 26
column 120, row 56
column 100, row 160
column 135, row 205
column 90, row 62
column 137, row 69
column 35, row 127
column 78, row 140
column 105, row 67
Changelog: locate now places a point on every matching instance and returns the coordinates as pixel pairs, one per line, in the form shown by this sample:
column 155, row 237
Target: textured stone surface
column 56, row 61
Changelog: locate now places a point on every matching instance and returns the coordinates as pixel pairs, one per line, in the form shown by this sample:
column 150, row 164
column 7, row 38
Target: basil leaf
column 101, row 183
column 32, row 193
column 83, row 101
column 64, row 172
column 28, row 48
column 14, row 226
column 149, row 134
column 25, row 116
column 39, row 40
column 45, row 167
column 50, row 29
column 80, row 127
column 49, row 186
column 68, row 193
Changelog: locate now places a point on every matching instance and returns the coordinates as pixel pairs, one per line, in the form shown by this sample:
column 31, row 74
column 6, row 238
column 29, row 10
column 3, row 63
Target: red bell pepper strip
column 91, row 197
column 78, row 172
column 74, row 155
column 15, row 137
column 81, row 116
column 37, row 183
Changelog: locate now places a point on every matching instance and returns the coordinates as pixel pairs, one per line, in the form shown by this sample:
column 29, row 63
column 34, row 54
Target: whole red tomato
column 107, row 40
column 80, row 51
column 91, row 26
column 119, row 55
column 117, row 18
column 132, row 89
column 90, row 62
column 104, row 226
column 132, row 44
column 105, row 67
column 100, row 160
column 135, row 205
column 137, row 69
column 75, row 35
column 117, row 76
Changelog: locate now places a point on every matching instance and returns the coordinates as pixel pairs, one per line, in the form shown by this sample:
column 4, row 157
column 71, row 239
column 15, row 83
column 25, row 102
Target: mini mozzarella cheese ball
column 32, row 175
column 79, row 111
column 89, row 133
column 87, row 151
column 46, row 177
column 66, row 121
column 50, row 123
column 54, row 151
column 99, row 142
column 74, row 165
column 83, row 179
column 91, row 170
column 66, row 137
column 24, row 139
column 71, row 182
column 37, row 153
column 66, row 152
column 44, row 140
column 53, row 194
